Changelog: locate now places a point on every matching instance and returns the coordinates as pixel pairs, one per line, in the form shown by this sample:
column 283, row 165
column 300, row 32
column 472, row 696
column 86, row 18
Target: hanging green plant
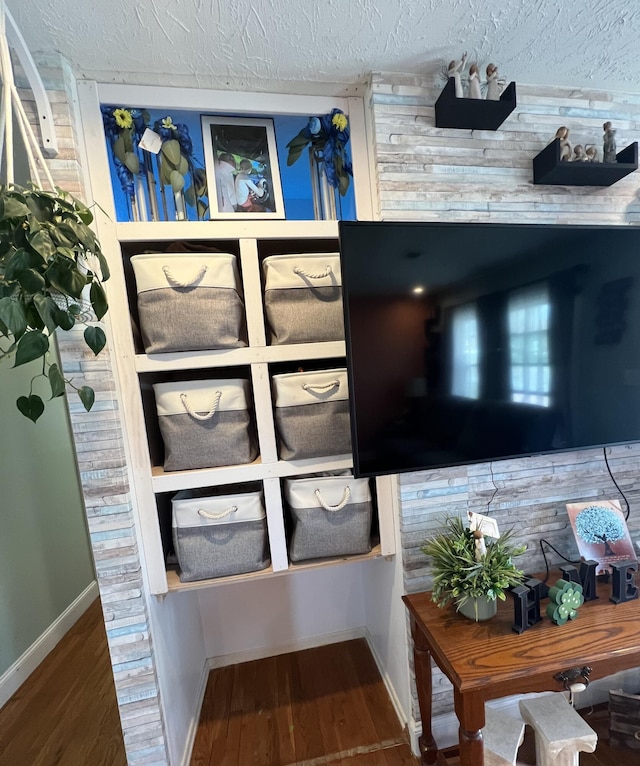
column 48, row 256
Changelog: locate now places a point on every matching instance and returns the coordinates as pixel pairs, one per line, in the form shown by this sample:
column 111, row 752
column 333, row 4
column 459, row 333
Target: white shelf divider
column 275, row 524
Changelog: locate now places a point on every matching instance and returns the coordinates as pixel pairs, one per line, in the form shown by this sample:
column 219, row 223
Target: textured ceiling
column 271, row 44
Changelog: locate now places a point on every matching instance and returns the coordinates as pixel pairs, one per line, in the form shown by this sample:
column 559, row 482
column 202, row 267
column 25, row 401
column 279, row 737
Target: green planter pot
column 479, row 609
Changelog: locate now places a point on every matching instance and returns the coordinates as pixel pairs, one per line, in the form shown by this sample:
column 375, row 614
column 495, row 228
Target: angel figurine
column 453, row 70
column 580, row 153
column 591, row 152
column 565, row 147
column 474, row 82
column 493, row 84
column 609, row 143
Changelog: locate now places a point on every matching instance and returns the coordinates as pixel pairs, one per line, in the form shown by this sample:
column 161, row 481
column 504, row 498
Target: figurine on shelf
column 580, row 154
column 493, row 84
column 609, row 145
column 565, row 147
column 592, row 153
column 474, row 82
column 453, row 70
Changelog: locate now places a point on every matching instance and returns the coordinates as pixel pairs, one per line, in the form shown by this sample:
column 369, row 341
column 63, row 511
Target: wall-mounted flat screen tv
column 473, row 342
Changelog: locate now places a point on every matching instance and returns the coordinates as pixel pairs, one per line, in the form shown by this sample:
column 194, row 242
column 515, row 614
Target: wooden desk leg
column 470, row 711
column 422, row 664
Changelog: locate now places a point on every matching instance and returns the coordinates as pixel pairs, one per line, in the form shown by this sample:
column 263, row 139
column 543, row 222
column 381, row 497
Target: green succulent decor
column 48, row 256
column 461, row 573
column 565, row 600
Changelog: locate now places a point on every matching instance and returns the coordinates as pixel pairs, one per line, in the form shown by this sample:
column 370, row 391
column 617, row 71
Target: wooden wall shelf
column 473, row 113
column 549, row 169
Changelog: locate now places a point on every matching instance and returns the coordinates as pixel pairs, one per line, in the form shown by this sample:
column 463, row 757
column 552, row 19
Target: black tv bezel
column 357, row 468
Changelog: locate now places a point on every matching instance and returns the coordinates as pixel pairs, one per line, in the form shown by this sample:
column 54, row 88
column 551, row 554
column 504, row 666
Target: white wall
column 278, row 614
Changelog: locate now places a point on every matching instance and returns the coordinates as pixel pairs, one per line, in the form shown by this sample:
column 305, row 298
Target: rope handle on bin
column 320, row 275
column 207, row 416
column 174, row 282
column 346, row 495
column 216, row 516
column 321, row 386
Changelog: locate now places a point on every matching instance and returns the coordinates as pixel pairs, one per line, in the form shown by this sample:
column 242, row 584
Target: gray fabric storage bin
column 312, row 414
column 205, row 423
column 189, row 302
column 219, row 536
column 303, row 298
column 329, row 515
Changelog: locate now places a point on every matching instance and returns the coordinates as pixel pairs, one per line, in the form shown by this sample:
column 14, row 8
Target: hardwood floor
column 321, row 706
column 66, row 714
column 326, row 705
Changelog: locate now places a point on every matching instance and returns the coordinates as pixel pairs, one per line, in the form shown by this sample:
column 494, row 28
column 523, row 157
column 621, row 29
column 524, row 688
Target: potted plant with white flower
column 471, row 570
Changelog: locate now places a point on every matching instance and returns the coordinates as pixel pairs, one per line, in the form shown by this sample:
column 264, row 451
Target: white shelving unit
column 251, row 241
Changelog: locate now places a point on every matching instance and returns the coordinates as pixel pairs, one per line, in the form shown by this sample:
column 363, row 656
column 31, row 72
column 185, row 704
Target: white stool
column 502, row 735
column 561, row 733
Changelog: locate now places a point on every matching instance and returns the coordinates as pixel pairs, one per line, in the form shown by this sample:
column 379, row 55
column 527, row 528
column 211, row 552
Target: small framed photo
column 242, row 167
column 601, row 532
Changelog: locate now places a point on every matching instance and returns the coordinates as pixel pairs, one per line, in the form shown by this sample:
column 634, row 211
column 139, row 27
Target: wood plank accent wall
column 103, row 472
column 429, row 173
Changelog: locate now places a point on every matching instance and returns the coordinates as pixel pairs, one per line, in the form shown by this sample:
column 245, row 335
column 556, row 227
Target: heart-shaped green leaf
column 12, row 314
column 30, row 281
column 98, row 299
column 10, row 207
column 87, row 397
column 104, row 266
column 42, row 243
column 95, row 338
column 32, row 345
column 30, row 406
column 65, row 277
column 56, row 381
column 17, row 262
column 64, row 319
column 46, row 308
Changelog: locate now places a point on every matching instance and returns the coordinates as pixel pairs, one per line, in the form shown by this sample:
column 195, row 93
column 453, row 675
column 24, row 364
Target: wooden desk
column 487, row 660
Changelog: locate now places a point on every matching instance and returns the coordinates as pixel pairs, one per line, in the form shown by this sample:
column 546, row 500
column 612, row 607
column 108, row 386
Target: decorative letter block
column 623, row 587
column 586, row 577
column 526, row 604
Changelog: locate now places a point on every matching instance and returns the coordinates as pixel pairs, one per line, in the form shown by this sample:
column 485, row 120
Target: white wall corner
column 13, row 678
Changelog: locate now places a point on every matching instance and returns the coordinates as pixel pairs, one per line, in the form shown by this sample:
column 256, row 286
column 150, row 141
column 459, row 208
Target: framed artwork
column 601, row 532
column 242, row 167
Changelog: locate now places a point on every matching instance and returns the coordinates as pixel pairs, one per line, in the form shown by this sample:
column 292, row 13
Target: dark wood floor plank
column 374, row 691
column 372, row 706
column 66, row 711
column 286, row 743
column 314, row 707
column 307, row 735
column 213, row 713
column 241, row 700
column 222, row 714
column 331, row 699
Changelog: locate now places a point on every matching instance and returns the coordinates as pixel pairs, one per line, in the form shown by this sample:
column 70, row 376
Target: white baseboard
column 195, row 718
column 391, row 690
column 295, row 646
column 13, row 678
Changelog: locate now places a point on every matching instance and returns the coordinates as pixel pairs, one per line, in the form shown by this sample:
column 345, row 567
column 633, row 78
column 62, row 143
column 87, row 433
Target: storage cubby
column 257, row 362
